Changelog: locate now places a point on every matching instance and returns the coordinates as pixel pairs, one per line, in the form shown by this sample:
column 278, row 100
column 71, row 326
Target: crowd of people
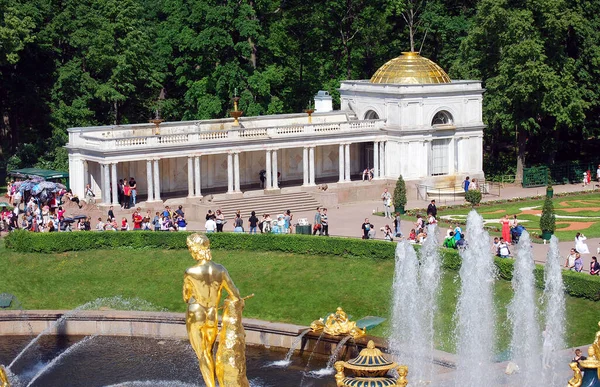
column 281, row 224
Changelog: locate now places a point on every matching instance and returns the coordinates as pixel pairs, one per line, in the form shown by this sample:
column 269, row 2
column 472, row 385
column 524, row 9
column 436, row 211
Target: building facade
column 410, row 119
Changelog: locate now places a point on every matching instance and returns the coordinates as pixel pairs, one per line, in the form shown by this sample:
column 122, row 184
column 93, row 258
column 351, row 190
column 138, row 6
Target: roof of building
column 410, row 68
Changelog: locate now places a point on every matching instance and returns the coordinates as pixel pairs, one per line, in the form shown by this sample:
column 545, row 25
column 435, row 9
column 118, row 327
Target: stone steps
column 267, row 204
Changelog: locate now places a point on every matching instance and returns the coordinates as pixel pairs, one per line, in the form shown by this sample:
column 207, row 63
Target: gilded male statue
column 3, row 378
column 203, row 285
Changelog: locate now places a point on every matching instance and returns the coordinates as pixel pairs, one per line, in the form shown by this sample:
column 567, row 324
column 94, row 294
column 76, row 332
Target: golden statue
column 592, row 363
column 3, row 378
column 577, row 379
column 202, row 288
column 337, row 324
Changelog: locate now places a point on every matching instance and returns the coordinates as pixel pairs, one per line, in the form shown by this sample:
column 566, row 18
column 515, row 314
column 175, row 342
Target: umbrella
column 48, row 185
column 5, row 204
column 77, row 217
column 37, row 189
column 67, row 220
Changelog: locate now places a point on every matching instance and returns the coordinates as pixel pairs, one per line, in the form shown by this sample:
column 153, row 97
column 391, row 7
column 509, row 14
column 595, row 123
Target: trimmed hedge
column 576, row 284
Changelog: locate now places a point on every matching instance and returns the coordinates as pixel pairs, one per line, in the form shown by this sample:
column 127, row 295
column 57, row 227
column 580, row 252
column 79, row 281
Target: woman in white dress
column 580, row 245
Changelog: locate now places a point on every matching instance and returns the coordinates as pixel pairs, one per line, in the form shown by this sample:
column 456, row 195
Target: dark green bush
column 548, row 218
column 473, row 196
column 576, row 284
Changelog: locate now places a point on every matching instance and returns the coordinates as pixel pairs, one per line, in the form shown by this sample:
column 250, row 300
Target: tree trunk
column 521, row 149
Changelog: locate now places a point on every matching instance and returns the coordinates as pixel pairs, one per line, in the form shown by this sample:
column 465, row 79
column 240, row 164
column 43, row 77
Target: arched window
column 442, row 118
column 371, row 115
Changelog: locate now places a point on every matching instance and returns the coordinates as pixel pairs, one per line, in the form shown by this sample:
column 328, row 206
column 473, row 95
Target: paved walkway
column 346, row 219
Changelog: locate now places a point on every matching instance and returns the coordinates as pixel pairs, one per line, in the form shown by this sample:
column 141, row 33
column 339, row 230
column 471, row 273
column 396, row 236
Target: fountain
column 525, row 345
column 554, row 316
column 475, row 329
column 236, row 114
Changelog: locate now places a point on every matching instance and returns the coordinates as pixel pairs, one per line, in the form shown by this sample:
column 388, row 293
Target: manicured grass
column 288, row 288
column 585, row 207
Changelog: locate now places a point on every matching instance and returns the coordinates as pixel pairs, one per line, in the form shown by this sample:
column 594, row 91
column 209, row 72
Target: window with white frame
column 439, row 159
column 442, row 118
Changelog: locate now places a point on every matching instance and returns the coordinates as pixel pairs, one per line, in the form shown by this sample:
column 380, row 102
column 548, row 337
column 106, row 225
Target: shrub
column 576, row 284
column 473, row 196
column 400, row 193
column 548, row 219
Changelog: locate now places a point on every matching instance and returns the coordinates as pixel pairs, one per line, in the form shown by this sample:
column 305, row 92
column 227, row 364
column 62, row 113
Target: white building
column 409, row 119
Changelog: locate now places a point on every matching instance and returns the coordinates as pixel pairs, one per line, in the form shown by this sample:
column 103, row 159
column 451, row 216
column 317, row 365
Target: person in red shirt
column 137, row 219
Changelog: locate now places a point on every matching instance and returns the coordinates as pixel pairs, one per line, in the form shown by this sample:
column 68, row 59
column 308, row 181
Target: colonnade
column 109, row 177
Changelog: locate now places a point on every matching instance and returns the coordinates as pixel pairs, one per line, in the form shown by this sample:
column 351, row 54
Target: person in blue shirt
column 466, row 184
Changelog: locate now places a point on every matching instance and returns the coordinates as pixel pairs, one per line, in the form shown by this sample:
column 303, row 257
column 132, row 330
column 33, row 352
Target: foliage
column 400, row 193
column 548, row 219
column 577, row 284
column 473, row 196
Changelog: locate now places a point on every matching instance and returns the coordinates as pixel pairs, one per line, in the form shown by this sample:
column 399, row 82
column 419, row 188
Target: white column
column 305, row 166
column 190, row 173
column 149, row 179
column 311, row 167
column 229, row 173
column 156, row 181
column 341, row 163
column 274, row 176
column 105, row 184
column 198, row 176
column 375, row 159
column 382, row 158
column 452, row 156
column 114, row 182
column 268, row 168
column 236, row 169
column 347, row 162
column 87, row 179
column 77, row 176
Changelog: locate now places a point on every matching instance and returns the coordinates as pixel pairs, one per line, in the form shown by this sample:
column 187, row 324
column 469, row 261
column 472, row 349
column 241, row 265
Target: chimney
column 323, row 102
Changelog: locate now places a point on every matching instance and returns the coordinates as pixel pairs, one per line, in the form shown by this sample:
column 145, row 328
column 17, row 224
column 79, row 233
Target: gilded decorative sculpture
column 3, row 378
column 590, row 367
column 337, row 324
column 202, row 288
column 370, row 369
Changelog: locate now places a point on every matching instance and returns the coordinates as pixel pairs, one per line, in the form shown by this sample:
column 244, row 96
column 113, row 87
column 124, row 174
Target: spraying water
column 117, row 302
column 407, row 340
column 525, row 345
column 430, row 274
column 58, row 358
column 475, row 330
column 288, row 357
column 554, row 315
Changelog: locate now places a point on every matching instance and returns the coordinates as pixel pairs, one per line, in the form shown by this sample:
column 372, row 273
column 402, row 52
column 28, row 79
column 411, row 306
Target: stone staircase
column 267, row 204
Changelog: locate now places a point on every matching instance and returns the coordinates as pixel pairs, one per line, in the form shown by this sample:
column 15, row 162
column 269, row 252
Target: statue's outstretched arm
column 228, row 284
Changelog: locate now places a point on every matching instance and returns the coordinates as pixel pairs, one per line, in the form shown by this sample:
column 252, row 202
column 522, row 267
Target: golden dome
column 410, row 68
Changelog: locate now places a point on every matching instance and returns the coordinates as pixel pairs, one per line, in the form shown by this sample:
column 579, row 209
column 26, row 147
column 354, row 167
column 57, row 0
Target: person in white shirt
column 100, row 225
column 210, row 225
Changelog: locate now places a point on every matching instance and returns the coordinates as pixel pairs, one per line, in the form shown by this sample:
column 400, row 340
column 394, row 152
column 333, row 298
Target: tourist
column 317, row 224
column 238, row 223
column 473, row 186
column 181, row 223
column 503, row 250
column 387, row 202
column 420, row 224
column 100, row 226
column 570, row 262
column 50, row 227
column 220, row 220
column 598, row 173
column 461, row 243
column 266, row 224
column 578, row 358
column 387, row 233
column 366, row 227
column 432, row 209
column 288, row 221
column 505, row 228
column 262, row 175
column 580, row 245
column 9, row 188
column 210, row 225
column 397, row 231
column 126, row 196
column 513, row 224
column 121, row 193
column 124, row 224
column 156, row 221
column 133, row 190
column 594, row 267
column 412, row 236
column 585, row 178
column 180, row 212
column 25, row 223
column 466, row 184
column 578, row 266
column 252, row 222
column 449, row 241
column 431, row 219
column 367, row 174
column 137, row 220
column 111, row 213
column 496, row 246
column 325, row 222
column 89, row 195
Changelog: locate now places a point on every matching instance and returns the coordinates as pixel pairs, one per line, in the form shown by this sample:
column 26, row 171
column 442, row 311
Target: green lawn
column 572, row 211
column 288, row 288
